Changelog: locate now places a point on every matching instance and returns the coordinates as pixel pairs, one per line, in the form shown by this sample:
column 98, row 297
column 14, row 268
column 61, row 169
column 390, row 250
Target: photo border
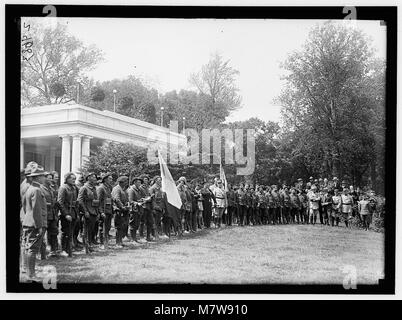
column 13, row 13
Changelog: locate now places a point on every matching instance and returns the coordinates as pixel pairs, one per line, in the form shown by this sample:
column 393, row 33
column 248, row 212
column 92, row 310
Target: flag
column 223, row 177
column 168, row 184
column 173, row 200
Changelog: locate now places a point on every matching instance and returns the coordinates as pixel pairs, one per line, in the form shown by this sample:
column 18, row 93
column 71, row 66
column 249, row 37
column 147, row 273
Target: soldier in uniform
column 294, row 206
column 336, row 207
column 276, row 204
column 25, row 184
column 35, row 220
column 220, row 196
column 326, row 202
column 147, row 217
column 52, row 215
column 69, row 210
column 200, row 213
column 158, row 204
column 261, row 206
column 136, row 210
column 231, row 196
column 121, row 209
column 241, row 196
column 346, row 207
column 303, row 207
column 314, row 204
column 286, row 205
column 88, row 199
column 365, row 211
column 104, row 193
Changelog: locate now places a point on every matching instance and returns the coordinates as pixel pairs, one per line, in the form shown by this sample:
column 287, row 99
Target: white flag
column 168, row 184
column 223, row 177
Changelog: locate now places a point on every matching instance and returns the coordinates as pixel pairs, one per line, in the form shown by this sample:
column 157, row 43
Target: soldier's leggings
column 242, row 213
column 67, row 229
column 52, row 232
column 294, row 215
column 104, row 228
column 77, row 229
column 158, row 222
column 187, row 220
column 194, row 220
column 149, row 221
column 134, row 223
column 88, row 229
column 249, row 214
column 230, row 215
column 120, row 223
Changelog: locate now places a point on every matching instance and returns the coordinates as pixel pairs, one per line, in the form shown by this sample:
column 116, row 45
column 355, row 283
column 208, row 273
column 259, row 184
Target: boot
column 31, row 260
column 133, row 234
column 24, row 263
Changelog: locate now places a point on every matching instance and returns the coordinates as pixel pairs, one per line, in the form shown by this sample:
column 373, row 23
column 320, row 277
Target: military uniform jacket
column 158, row 199
column 35, row 207
column 183, row 196
column 145, row 194
column 231, row 196
column 336, row 202
column 23, row 189
column 241, row 197
column 260, row 199
column 134, row 196
column 294, row 201
column 88, row 199
column 276, row 198
column 286, row 200
column 120, row 198
column 303, row 201
column 67, row 199
column 104, row 193
column 51, row 200
column 220, row 196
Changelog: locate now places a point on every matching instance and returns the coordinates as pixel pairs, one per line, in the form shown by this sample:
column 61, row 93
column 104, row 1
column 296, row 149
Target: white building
column 61, row 136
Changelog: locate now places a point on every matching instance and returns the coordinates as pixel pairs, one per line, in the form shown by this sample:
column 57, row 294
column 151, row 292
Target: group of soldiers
column 82, row 212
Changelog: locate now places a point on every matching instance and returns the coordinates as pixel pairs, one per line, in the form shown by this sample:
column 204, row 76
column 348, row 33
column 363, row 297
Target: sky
column 165, row 52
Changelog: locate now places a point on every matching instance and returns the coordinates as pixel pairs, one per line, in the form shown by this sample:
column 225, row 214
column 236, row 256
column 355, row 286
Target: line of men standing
column 140, row 210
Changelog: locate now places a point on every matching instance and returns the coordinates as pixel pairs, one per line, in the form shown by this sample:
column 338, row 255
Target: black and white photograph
column 192, row 150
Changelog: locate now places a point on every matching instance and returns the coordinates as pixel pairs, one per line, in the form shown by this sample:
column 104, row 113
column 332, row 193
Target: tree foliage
column 57, row 58
column 332, row 93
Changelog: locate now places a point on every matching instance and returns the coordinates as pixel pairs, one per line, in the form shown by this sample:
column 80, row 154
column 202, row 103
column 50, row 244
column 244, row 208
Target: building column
column 76, row 154
column 86, row 148
column 22, row 155
column 52, row 158
column 65, row 156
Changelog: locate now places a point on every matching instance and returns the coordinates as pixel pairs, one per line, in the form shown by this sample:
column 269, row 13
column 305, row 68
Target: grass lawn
column 293, row 254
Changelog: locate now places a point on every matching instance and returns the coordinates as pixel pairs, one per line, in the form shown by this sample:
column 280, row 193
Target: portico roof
column 68, row 119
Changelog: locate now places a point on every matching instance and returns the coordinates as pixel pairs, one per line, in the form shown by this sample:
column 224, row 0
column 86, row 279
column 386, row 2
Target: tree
column 97, row 94
column 327, row 103
column 216, row 84
column 119, row 159
column 57, row 58
column 133, row 98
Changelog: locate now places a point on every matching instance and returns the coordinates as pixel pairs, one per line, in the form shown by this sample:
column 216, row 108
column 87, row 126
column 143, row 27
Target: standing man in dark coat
column 69, row 209
column 121, row 209
column 52, row 214
column 88, row 200
column 104, row 193
column 136, row 209
column 231, row 196
column 35, row 220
